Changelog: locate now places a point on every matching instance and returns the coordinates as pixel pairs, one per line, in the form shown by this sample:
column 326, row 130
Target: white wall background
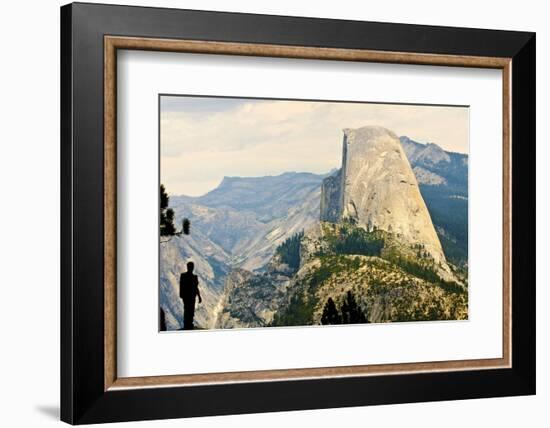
column 29, row 217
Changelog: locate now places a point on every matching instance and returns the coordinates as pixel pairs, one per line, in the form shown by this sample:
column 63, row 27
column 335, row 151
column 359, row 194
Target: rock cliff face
column 330, row 197
column 251, row 299
column 428, row 154
column 378, row 190
column 423, row 176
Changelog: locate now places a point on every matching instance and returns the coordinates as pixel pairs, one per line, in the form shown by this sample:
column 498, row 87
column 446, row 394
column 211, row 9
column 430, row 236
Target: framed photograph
column 266, row 213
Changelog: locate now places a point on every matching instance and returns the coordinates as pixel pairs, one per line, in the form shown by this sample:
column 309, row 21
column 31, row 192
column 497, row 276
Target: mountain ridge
column 239, row 235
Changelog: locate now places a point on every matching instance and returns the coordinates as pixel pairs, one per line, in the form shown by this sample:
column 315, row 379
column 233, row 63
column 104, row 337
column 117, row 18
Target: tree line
column 349, row 313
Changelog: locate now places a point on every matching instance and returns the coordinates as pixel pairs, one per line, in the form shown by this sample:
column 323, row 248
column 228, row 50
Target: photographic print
column 280, row 213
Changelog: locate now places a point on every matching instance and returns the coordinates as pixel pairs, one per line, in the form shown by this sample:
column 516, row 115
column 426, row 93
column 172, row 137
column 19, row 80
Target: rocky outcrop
column 251, row 299
column 423, row 176
column 429, row 153
column 330, row 197
column 378, row 190
column 450, row 166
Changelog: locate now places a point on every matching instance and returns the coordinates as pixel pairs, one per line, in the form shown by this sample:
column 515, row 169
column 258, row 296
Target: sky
column 203, row 139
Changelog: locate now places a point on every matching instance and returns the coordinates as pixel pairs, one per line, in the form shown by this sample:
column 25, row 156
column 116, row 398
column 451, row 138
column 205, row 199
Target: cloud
column 205, row 139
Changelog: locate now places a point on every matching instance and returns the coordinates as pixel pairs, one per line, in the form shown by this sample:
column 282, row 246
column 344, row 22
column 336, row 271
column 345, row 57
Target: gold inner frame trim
column 113, row 43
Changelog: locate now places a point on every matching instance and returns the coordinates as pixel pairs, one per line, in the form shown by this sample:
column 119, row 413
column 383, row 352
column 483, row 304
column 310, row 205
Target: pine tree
column 330, row 313
column 167, row 227
column 351, row 312
column 289, row 250
column 185, row 226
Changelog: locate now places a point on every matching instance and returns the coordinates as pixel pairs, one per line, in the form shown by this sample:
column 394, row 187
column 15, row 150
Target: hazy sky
column 204, row 139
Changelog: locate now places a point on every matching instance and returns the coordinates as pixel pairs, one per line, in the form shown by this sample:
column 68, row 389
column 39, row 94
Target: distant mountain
column 443, row 180
column 267, row 197
column 450, row 166
column 249, row 216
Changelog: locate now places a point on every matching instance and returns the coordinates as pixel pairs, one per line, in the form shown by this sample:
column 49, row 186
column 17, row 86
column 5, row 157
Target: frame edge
column 523, row 130
column 66, row 315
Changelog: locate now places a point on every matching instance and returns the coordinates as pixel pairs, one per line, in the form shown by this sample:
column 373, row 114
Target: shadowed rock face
column 378, row 189
column 330, row 198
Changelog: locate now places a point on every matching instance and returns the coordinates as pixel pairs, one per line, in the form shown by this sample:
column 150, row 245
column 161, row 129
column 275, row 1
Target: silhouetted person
column 189, row 290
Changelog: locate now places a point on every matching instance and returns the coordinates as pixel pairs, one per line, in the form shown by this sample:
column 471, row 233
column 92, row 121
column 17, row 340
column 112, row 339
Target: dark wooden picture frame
column 90, row 389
